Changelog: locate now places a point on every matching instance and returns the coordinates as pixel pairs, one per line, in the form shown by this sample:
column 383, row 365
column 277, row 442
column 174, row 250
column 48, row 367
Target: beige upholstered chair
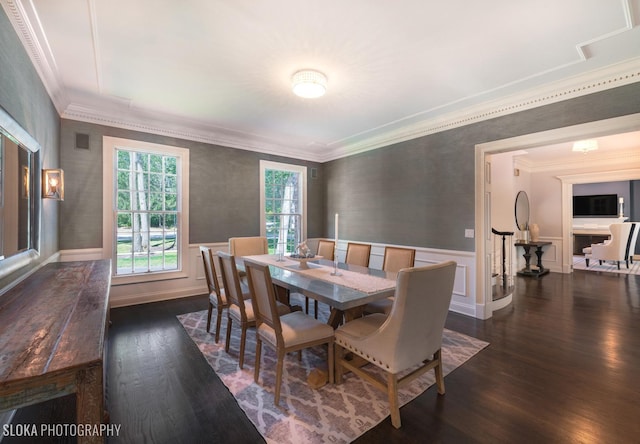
column 240, row 305
column 326, row 249
column 285, row 333
column 615, row 249
column 411, row 335
column 247, row 246
column 358, row 254
column 217, row 297
column 395, row 259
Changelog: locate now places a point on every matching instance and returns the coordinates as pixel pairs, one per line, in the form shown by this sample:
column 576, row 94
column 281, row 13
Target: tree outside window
column 146, row 212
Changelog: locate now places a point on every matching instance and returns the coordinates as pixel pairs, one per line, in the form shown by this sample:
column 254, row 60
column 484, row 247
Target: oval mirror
column 522, row 211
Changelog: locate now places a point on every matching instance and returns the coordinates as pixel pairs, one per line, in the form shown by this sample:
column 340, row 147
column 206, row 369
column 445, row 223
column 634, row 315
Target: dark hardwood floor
column 562, row 366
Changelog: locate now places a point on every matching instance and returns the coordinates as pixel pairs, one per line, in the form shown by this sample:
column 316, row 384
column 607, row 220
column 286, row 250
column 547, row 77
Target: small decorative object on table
column 534, row 230
column 303, row 255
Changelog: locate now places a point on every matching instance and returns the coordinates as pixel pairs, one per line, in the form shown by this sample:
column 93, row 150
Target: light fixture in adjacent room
column 584, row 146
column 309, row 84
column 53, row 184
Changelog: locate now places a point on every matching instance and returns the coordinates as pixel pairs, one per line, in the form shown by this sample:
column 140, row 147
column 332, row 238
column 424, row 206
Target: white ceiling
column 219, row 71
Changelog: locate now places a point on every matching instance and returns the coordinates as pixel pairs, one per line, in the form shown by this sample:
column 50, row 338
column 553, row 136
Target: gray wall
column 422, row 192
column 224, row 188
column 23, row 96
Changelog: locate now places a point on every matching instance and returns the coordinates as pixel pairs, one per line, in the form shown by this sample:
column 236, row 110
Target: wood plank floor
column 563, row 366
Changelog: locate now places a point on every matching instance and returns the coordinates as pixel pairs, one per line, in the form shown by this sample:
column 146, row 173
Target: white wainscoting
column 463, row 299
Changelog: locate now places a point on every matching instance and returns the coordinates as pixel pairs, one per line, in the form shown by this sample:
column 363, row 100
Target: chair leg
column 209, row 319
column 331, row 362
column 338, row 355
column 587, row 261
column 226, row 345
column 279, row 366
column 306, row 305
column 599, row 261
column 218, row 322
column 256, row 373
column 243, row 340
column 315, row 308
column 437, row 356
column 394, row 405
column 618, row 264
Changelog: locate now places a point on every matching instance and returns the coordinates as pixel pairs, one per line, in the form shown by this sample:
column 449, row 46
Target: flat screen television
column 595, row 205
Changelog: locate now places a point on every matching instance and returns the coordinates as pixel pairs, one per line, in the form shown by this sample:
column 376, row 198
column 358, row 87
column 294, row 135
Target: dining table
column 346, row 292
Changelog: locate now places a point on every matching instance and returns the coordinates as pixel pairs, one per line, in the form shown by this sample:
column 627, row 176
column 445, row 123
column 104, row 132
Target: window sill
column 148, row 277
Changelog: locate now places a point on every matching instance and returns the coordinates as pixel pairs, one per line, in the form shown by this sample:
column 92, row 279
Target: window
column 145, row 225
column 283, row 205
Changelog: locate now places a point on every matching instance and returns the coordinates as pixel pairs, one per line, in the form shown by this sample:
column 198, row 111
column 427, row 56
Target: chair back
column 413, row 329
column 210, row 273
column 358, row 254
column 263, row 296
column 396, row 258
column 326, row 249
column 247, row 246
column 633, row 238
column 619, row 239
column 231, row 281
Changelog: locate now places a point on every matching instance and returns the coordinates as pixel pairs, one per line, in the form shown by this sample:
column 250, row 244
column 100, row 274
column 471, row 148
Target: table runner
column 351, row 279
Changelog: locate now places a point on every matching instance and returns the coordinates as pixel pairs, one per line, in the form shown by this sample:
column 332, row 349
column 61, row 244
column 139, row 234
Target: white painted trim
column 82, row 254
column 531, row 141
column 109, row 145
column 567, row 202
column 302, row 171
column 24, row 19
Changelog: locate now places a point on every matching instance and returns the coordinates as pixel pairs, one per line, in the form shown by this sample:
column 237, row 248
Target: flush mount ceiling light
column 309, row 84
column 584, row 146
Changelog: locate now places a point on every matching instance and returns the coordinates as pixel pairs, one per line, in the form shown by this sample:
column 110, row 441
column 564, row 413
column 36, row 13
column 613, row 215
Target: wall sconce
column 53, row 184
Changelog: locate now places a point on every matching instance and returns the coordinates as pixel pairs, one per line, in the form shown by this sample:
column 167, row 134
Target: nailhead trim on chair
column 361, row 353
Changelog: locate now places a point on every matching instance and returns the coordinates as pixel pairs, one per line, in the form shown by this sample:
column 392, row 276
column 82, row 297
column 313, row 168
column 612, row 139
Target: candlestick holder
column 280, row 249
column 335, row 271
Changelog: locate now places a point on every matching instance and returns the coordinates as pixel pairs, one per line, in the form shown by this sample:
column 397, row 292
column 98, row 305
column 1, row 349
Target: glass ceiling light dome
column 309, row 84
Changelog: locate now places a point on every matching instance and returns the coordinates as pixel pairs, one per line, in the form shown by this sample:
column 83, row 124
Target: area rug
column 579, row 263
column 332, row 413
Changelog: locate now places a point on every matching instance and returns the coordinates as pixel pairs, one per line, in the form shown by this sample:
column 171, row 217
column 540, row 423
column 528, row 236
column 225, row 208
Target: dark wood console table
column 527, row 270
column 53, row 328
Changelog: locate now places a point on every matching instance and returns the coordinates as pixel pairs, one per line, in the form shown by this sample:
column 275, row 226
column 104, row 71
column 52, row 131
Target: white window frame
column 109, row 146
column 302, row 170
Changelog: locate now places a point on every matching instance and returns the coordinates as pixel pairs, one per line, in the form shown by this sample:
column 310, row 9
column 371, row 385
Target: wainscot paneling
column 463, row 300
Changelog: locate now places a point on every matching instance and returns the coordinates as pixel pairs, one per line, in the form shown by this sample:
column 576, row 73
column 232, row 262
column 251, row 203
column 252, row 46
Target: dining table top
column 355, row 286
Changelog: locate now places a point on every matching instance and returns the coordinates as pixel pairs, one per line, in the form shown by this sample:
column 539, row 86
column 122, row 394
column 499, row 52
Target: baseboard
column 149, row 297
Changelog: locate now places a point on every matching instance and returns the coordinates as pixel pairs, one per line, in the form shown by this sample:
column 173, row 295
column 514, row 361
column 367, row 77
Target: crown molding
column 594, row 81
column 617, row 160
column 170, row 127
column 27, row 26
column 23, row 17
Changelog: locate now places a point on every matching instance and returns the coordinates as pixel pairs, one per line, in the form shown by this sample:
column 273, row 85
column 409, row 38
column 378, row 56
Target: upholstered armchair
column 614, row 249
column 411, row 335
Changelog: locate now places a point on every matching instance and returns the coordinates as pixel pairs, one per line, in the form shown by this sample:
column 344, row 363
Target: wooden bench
column 53, row 328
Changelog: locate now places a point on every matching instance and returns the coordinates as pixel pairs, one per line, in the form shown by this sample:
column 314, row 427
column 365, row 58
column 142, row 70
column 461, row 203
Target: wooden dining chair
column 286, row 333
column 395, row 259
column 217, row 297
column 326, row 249
column 240, row 304
column 410, row 336
column 247, row 246
column 358, row 254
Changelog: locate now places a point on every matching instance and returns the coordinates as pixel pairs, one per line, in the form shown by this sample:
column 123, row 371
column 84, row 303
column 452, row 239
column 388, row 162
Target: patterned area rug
column 580, row 264
column 332, row 413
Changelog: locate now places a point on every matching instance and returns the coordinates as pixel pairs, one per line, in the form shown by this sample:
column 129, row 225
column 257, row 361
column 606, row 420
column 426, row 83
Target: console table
column 53, row 328
column 527, row 270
